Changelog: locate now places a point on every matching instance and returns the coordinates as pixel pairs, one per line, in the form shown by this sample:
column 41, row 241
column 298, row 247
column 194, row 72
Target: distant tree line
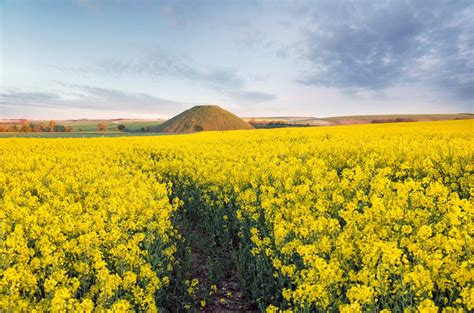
column 103, row 127
column 25, row 126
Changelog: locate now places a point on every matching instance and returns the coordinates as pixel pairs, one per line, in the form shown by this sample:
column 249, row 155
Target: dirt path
column 228, row 298
column 223, row 296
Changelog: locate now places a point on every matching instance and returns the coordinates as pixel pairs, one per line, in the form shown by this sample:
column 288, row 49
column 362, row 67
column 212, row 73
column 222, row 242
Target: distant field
column 357, row 119
column 135, row 127
column 91, row 125
column 290, row 122
column 83, row 125
column 79, row 135
column 362, row 119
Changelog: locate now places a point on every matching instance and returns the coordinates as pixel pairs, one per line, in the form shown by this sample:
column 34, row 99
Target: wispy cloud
column 252, row 96
column 22, row 97
column 158, row 64
column 374, row 45
column 179, row 13
column 74, row 96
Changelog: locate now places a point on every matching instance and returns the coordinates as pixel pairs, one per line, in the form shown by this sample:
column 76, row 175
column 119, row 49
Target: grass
column 201, row 118
column 91, row 126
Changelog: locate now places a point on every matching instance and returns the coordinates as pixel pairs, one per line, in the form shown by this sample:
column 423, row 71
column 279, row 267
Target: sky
column 154, row 59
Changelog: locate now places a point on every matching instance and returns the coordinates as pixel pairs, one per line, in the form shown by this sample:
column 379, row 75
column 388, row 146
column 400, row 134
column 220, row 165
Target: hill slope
column 202, row 117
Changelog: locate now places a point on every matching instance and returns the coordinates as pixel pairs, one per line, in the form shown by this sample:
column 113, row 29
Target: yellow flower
column 427, row 306
column 370, row 214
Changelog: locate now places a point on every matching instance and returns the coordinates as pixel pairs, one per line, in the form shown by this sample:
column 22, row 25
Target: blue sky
column 153, row 59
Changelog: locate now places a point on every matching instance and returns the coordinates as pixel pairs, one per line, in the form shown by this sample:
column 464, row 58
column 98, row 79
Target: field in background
column 91, row 125
column 136, row 127
column 87, row 127
column 80, row 134
column 362, row 119
column 276, row 122
column 83, row 128
column 355, row 218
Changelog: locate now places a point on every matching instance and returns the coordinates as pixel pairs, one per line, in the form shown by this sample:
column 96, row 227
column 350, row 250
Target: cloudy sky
column 152, row 59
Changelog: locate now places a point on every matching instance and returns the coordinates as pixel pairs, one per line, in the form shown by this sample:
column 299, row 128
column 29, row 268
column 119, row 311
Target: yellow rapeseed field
column 351, row 218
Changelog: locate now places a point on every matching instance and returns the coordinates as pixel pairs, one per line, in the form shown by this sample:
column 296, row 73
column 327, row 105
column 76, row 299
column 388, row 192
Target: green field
column 415, row 117
column 86, row 128
column 91, row 125
column 135, row 127
column 355, row 119
column 79, row 135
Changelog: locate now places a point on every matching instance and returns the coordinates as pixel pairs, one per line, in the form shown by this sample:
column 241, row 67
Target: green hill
column 202, row 118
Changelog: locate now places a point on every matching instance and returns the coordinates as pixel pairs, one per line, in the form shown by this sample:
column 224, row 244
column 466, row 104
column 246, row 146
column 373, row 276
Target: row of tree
column 25, row 126
column 103, row 127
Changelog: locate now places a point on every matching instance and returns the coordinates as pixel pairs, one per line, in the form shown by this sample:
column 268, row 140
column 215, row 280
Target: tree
column 68, row 129
column 51, row 125
column 121, row 127
column 102, row 127
column 25, row 128
column 59, row 128
column 35, row 127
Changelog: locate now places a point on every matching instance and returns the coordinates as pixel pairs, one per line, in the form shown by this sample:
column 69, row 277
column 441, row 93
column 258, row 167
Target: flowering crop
column 350, row 218
column 81, row 227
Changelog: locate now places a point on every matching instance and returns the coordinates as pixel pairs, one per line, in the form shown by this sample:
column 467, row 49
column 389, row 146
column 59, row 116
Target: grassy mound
column 200, row 118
